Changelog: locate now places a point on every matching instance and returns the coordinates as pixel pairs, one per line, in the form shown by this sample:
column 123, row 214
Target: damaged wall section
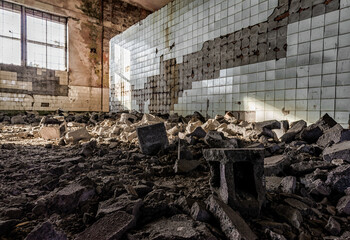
column 84, row 86
column 269, row 59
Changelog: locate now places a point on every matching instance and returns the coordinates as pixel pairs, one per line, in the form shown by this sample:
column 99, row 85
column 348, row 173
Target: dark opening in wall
column 244, row 179
column 45, row 104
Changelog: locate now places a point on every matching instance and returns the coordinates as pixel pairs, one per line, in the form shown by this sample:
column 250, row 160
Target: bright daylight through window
column 32, row 38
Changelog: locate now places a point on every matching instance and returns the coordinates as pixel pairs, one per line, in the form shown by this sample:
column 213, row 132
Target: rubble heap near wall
column 86, row 176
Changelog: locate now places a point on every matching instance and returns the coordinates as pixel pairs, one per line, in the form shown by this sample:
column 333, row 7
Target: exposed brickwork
column 258, row 43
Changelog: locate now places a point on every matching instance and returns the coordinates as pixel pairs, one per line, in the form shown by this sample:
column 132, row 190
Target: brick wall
column 84, row 87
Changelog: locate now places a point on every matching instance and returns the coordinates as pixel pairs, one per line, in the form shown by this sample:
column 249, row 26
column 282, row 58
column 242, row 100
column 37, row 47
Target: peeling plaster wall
column 266, row 59
column 83, row 87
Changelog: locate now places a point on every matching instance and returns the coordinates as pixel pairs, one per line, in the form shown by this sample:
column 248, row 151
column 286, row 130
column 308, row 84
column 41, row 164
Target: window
column 43, row 42
column 10, row 34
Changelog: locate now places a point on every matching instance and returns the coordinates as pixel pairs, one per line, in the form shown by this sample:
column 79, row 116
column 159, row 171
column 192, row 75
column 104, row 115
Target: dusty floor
column 80, row 185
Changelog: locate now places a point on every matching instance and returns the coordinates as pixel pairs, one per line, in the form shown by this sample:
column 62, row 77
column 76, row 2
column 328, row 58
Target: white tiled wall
column 312, row 80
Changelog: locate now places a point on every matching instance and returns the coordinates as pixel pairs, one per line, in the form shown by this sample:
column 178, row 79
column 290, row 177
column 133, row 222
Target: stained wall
column 264, row 60
column 85, row 85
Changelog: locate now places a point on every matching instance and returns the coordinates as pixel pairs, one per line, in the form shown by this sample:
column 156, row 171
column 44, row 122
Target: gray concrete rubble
column 152, row 138
column 231, row 223
column 153, row 176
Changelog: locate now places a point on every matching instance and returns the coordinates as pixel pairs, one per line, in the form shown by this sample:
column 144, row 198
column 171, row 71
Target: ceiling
column 151, row 5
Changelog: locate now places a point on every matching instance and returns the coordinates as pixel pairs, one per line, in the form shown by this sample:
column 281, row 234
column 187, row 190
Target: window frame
column 49, row 17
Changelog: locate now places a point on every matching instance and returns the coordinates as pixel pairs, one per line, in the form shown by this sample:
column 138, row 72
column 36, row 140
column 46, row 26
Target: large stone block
column 333, row 135
column 337, row 151
column 152, row 138
column 110, row 227
column 237, row 176
column 275, row 165
column 46, row 231
column 231, row 223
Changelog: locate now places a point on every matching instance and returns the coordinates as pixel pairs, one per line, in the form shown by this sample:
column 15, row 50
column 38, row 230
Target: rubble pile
column 141, row 176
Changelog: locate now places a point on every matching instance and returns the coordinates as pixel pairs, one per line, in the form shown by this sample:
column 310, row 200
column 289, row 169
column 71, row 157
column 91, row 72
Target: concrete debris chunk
column 231, row 223
column 288, row 184
column 77, row 135
column 334, row 135
column 291, row 215
column 127, row 118
column 178, row 226
column 339, row 178
column 296, row 128
column 199, row 212
column 333, row 227
column 70, row 197
column 110, row 227
column 198, row 133
column 230, row 117
column 275, row 165
column 311, row 133
column 51, row 132
column 17, row 120
column 210, row 125
column 191, row 126
column 337, row 151
column 216, row 139
column 343, row 205
column 46, row 231
column 271, row 124
column 152, row 138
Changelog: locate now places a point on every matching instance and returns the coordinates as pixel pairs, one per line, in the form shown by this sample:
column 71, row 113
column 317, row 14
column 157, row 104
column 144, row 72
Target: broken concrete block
column 288, row 184
column 229, row 117
column 127, row 118
column 333, row 227
column 275, row 165
column 237, row 129
column 110, row 227
column 199, row 212
column 311, row 133
column 343, row 205
column 305, row 167
column 198, row 133
column 216, row 139
column 150, row 119
column 231, row 223
column 325, row 122
column 152, row 138
column 77, row 135
column 272, row 183
column 210, row 125
column 291, row 215
column 46, row 231
column 237, row 177
column 70, row 197
column 296, row 128
column 334, row 135
column 179, row 226
column 272, row 124
column 120, row 203
column 339, row 178
column 280, row 131
column 50, row 132
column 318, row 187
column 337, row 151
column 185, row 166
column 191, row 126
column 17, row 120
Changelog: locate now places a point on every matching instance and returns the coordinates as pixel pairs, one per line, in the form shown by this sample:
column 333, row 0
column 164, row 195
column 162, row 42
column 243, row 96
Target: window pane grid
column 44, row 38
column 10, row 34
